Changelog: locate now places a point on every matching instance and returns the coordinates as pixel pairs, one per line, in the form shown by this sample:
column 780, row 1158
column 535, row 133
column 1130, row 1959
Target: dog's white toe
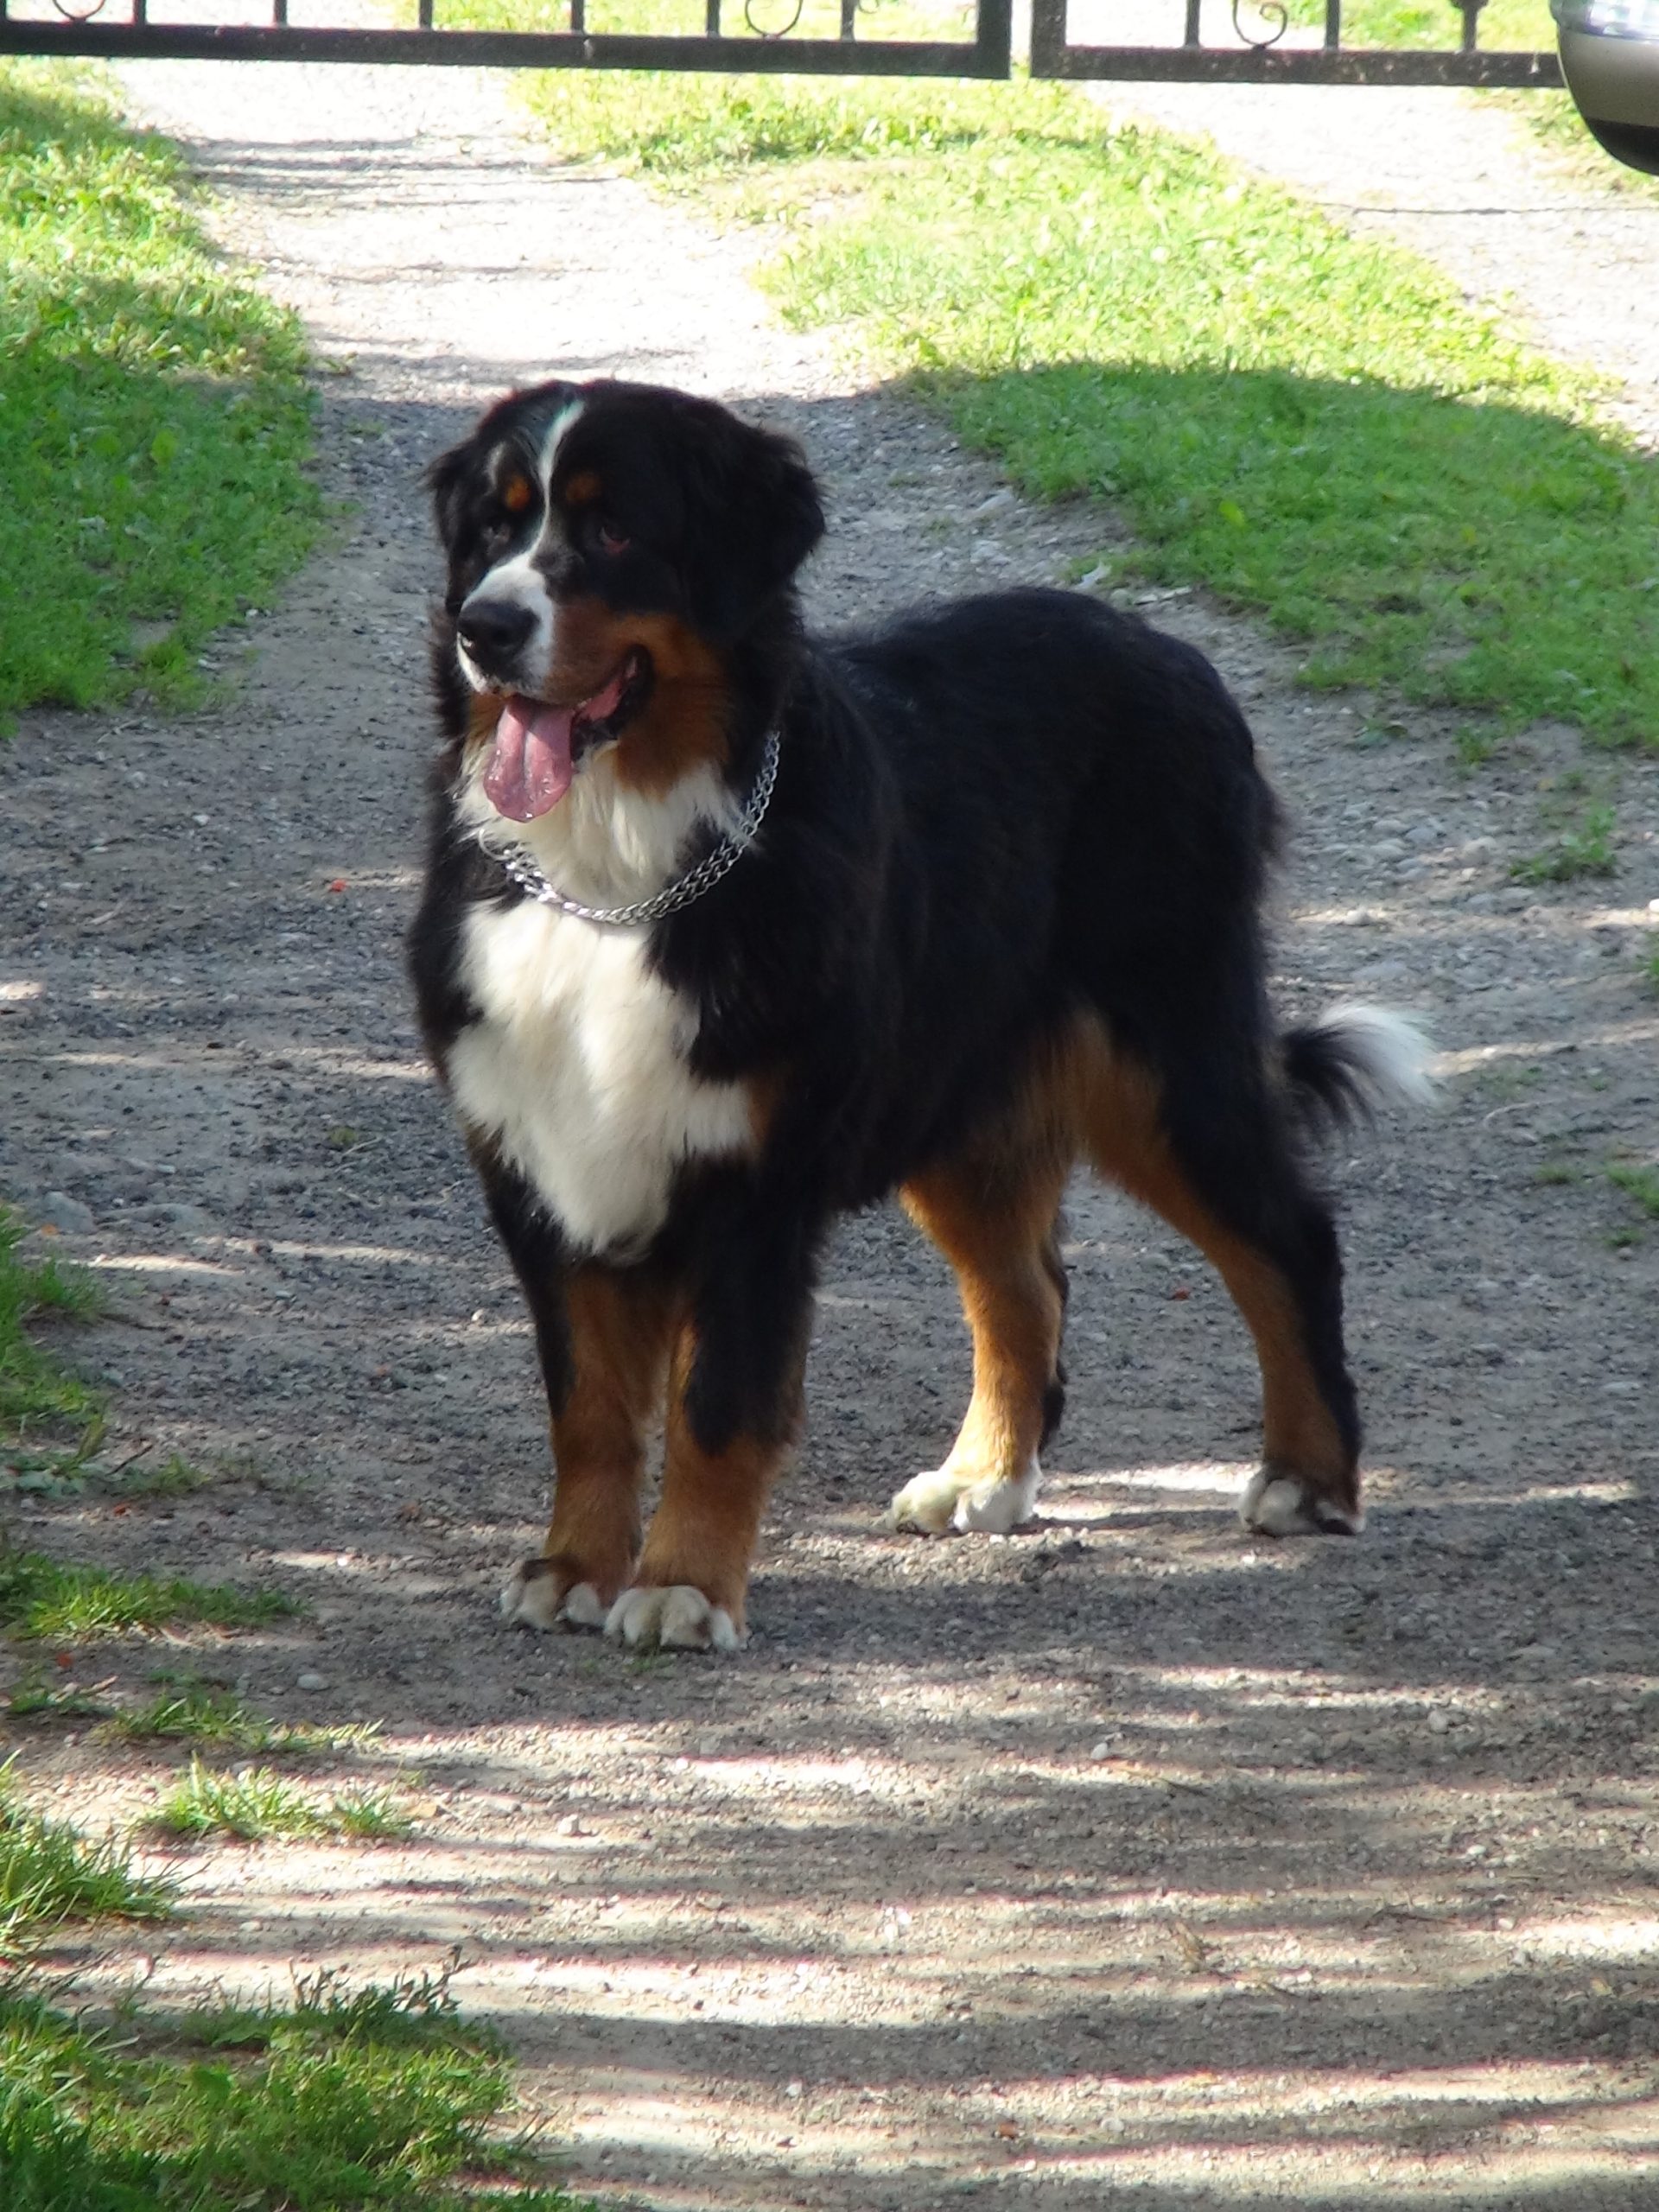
column 531, row 1599
column 1287, row 1505
column 679, row 1617
column 942, row 1499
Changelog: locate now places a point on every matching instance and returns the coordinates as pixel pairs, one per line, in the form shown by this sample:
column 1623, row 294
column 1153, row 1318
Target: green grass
column 154, row 424
column 257, row 1804
column 349, row 2099
column 35, row 1393
column 50, row 1873
column 1641, row 1183
column 338, row 2103
column 68, row 1605
column 173, row 1476
column 1315, row 426
column 1586, row 851
column 192, row 1711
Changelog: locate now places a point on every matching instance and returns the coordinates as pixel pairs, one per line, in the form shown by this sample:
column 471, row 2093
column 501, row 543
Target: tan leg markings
column 691, row 1584
column 619, row 1332
column 992, row 1214
column 1308, row 1479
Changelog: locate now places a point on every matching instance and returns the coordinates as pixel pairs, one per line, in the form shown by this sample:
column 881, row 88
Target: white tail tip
column 1393, row 1056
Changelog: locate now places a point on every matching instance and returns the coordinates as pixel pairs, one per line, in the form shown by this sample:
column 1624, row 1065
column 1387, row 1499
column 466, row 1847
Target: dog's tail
column 1355, row 1060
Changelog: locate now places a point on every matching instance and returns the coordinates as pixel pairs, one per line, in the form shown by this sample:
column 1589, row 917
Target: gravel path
column 1118, row 1861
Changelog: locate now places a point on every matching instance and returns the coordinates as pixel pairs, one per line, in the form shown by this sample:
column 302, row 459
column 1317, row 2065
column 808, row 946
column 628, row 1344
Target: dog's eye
column 610, row 539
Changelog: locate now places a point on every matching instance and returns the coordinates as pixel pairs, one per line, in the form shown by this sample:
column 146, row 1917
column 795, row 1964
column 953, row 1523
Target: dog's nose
column 493, row 630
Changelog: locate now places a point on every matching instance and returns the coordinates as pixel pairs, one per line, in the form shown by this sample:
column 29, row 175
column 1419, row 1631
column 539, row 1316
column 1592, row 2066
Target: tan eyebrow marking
column 582, row 488
column 516, row 494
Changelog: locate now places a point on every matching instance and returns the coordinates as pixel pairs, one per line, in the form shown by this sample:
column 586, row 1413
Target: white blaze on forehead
column 520, row 578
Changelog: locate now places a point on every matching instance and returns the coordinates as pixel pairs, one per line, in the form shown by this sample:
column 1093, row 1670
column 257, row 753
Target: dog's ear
column 753, row 514
column 446, row 478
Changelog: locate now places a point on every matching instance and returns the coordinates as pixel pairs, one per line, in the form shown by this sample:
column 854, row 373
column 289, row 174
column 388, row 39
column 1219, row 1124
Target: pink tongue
column 530, row 767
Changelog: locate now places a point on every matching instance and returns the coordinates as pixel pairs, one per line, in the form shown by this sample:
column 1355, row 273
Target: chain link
column 692, row 885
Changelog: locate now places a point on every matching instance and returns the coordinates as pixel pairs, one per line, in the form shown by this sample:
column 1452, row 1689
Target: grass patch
column 154, row 421
column 35, row 1394
column 258, row 1804
column 50, row 1873
column 1315, row 426
column 191, row 1710
column 1587, row 850
column 1641, row 1183
column 68, row 1605
column 343, row 2102
column 173, row 1476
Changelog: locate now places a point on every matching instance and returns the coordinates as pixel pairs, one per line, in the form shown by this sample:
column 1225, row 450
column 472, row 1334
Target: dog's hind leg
column 1209, row 1147
column 992, row 1213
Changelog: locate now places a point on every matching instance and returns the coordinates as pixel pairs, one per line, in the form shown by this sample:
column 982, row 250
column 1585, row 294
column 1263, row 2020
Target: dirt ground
column 1120, row 1861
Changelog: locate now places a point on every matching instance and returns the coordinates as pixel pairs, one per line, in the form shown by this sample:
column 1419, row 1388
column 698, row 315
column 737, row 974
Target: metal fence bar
column 825, row 57
column 1304, row 66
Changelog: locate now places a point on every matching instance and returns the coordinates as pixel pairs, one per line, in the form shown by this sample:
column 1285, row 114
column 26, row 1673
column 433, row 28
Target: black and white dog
column 727, row 930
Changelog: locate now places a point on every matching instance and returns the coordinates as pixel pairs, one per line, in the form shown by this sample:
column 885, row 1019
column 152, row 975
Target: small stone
column 311, row 1681
column 58, row 1211
column 1103, row 1749
column 1439, row 1724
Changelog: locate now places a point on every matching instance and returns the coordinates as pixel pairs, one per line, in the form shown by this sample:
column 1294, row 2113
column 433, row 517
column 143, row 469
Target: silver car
column 1610, row 57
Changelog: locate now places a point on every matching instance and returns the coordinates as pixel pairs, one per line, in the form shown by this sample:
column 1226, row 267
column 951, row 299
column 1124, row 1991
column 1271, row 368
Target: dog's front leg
column 733, row 1414
column 605, row 1335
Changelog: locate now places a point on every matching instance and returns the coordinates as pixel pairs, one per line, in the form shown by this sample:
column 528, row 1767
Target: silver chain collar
column 669, row 900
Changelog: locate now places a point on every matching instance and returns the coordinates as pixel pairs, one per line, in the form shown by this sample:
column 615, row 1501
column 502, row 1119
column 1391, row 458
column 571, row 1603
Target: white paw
column 531, row 1599
column 942, row 1499
column 679, row 1617
column 1287, row 1505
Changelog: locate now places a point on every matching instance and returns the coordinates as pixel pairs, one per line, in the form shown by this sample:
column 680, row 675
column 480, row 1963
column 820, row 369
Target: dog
column 727, row 930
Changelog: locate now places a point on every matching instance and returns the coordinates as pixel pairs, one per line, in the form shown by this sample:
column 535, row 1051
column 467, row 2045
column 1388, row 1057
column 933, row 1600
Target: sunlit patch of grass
column 364, row 2100
column 155, row 424
column 1314, row 425
column 256, row 1804
column 39, row 1598
column 252, row 1805
column 369, row 1816
column 193, row 1710
column 49, row 1871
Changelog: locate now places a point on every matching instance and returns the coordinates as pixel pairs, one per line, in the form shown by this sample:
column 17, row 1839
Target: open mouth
column 538, row 746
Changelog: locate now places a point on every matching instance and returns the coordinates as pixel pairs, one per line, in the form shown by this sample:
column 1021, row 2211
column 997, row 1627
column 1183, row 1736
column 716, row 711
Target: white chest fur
column 577, row 1067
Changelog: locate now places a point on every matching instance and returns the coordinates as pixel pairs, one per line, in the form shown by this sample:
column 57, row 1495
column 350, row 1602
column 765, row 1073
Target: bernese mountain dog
column 727, row 929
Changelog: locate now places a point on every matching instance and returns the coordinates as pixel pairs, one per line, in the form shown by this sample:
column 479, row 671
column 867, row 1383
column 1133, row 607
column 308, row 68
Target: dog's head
column 608, row 545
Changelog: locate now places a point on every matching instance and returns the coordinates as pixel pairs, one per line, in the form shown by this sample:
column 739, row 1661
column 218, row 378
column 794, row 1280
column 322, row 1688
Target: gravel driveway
column 1119, row 1861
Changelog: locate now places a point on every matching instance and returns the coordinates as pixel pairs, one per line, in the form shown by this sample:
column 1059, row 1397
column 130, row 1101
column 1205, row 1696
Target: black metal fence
column 1257, row 44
